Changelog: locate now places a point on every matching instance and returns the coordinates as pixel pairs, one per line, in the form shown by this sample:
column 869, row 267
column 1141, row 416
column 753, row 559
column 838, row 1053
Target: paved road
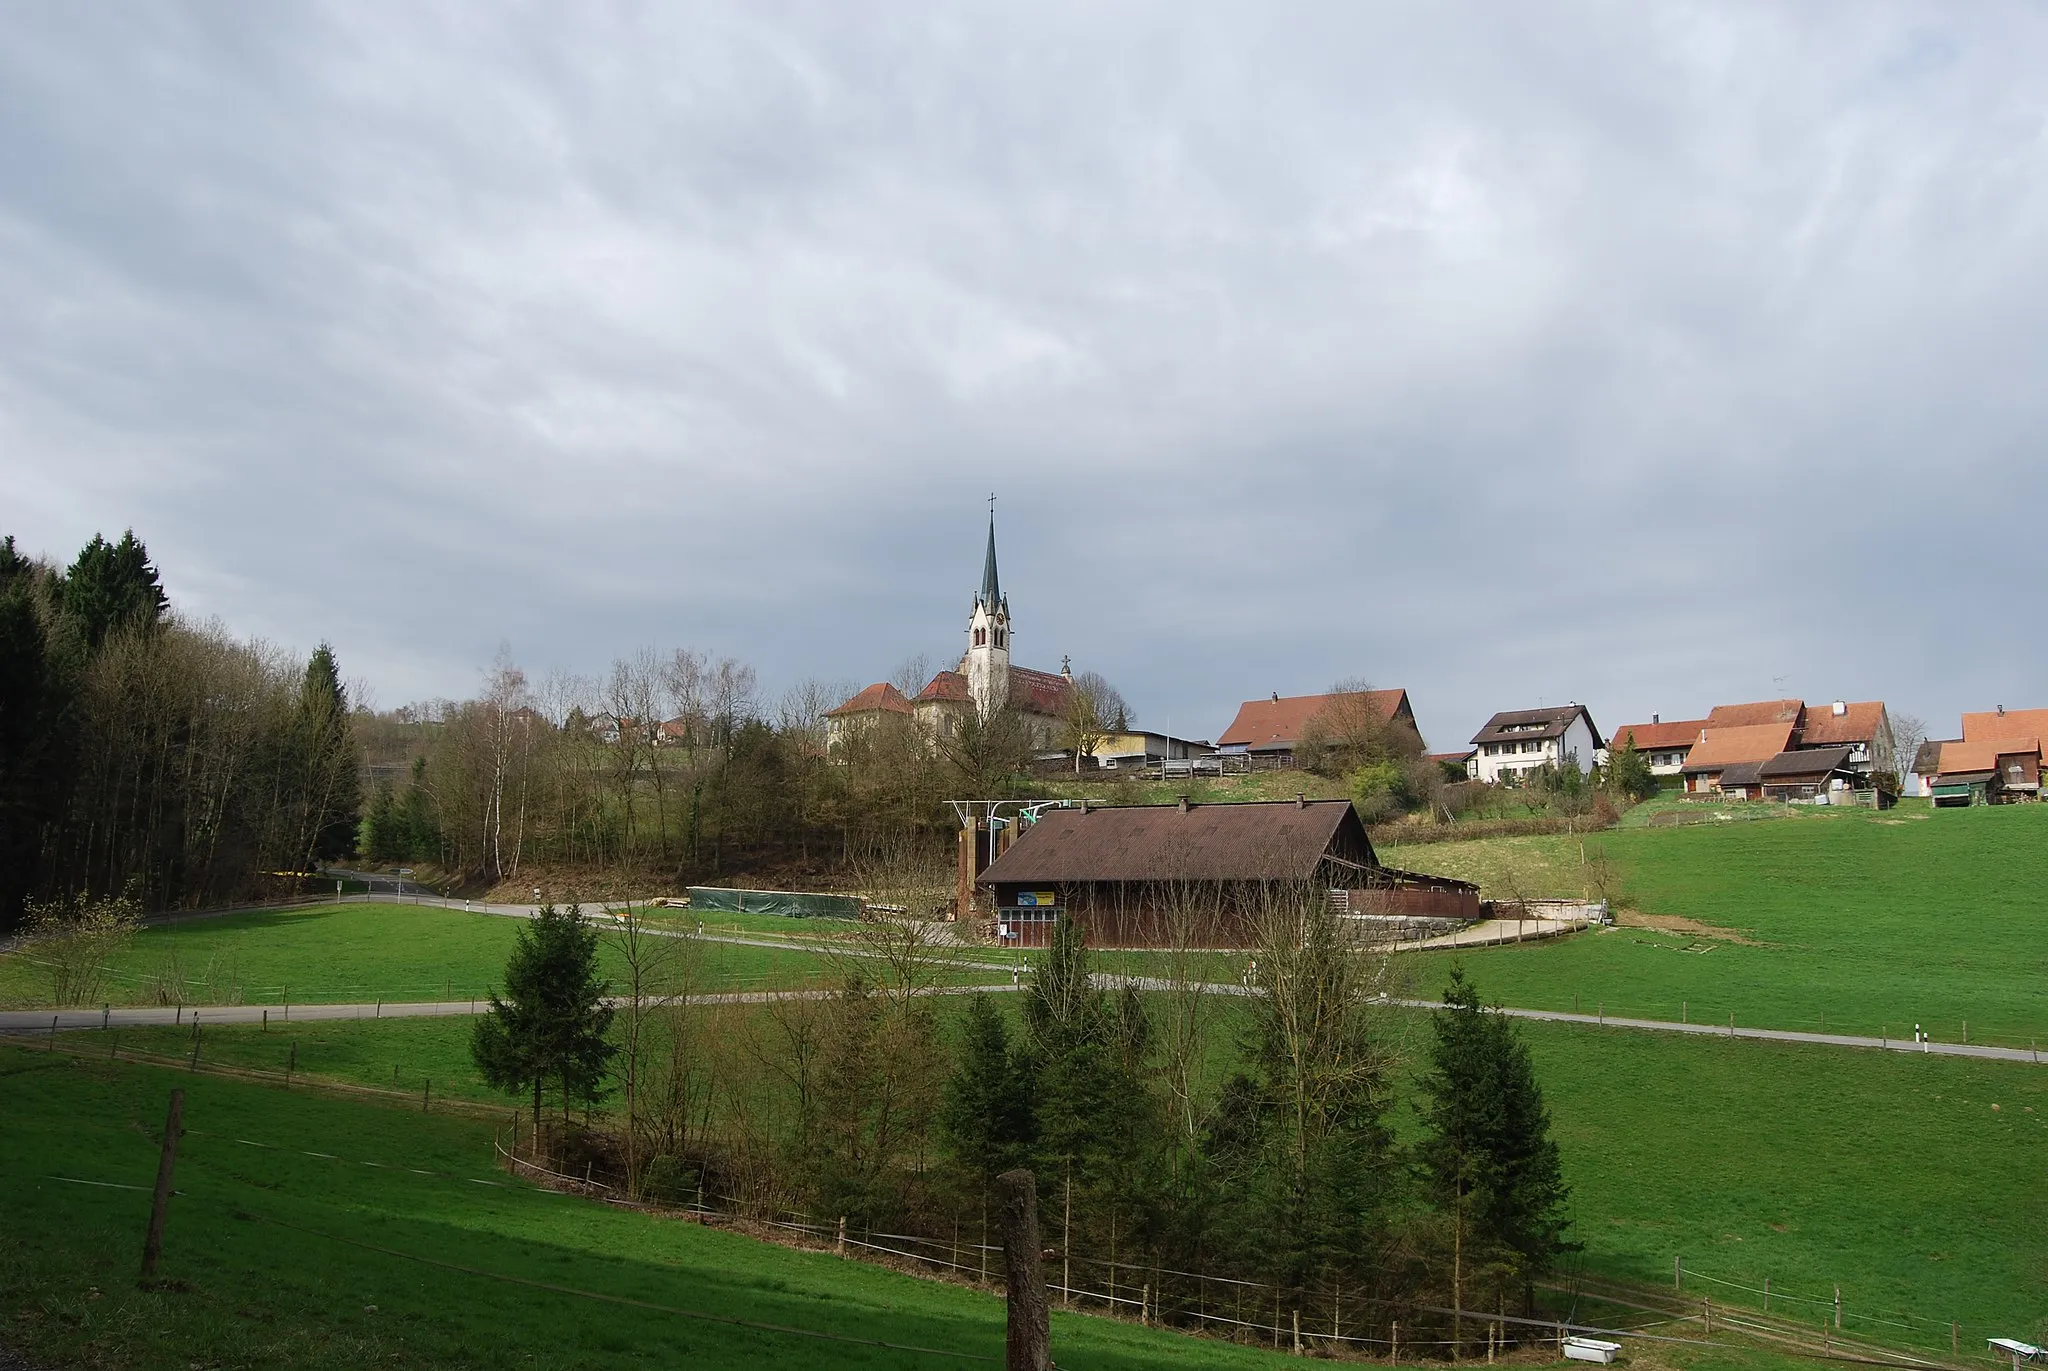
column 39, row 1021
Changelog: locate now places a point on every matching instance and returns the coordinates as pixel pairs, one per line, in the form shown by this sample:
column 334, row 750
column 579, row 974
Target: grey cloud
column 1643, row 355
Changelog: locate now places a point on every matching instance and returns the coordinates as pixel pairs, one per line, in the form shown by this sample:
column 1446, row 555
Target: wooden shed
column 1198, row 874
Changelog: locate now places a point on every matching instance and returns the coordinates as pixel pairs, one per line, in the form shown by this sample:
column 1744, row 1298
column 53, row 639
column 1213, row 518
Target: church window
column 1001, row 637
column 980, row 637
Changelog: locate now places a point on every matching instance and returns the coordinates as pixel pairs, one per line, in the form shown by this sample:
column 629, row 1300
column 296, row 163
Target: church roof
column 881, row 697
column 991, row 585
column 949, row 686
column 1034, row 692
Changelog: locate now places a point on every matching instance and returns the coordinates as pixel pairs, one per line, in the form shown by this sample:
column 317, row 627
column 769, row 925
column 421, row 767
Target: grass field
column 299, row 1220
column 362, row 952
column 1872, row 922
column 1749, row 1160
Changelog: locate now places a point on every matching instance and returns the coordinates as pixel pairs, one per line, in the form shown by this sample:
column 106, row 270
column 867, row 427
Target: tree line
column 150, row 758
column 1255, row 1138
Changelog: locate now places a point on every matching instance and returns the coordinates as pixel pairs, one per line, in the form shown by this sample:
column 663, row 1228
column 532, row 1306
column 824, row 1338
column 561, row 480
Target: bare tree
column 73, row 941
column 1095, row 709
column 912, row 674
column 1898, row 753
column 907, row 880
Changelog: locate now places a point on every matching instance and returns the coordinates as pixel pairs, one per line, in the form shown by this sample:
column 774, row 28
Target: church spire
column 991, row 588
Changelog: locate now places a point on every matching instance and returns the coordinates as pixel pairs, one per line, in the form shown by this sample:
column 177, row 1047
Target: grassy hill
column 1867, row 922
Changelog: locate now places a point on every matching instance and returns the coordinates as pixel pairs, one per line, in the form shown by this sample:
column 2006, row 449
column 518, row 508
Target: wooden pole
column 153, row 1243
column 1678, row 1273
column 1028, row 1344
column 1297, row 1332
column 1394, row 1346
column 1066, row 1242
column 1838, row 1306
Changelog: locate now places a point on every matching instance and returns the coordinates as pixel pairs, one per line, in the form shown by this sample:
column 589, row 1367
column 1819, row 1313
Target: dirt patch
column 1678, row 923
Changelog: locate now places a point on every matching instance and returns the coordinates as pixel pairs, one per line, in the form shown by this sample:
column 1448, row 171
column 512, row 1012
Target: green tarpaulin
column 786, row 903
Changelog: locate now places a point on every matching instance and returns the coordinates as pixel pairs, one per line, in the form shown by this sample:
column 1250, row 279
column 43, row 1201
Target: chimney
column 1276, row 700
column 1182, row 804
column 1656, row 718
column 2001, row 711
column 1840, row 708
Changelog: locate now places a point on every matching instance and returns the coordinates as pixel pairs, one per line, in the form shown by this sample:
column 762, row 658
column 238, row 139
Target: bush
column 1379, row 790
column 74, row 940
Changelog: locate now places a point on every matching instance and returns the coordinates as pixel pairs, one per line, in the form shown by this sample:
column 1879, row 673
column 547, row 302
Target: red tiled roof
column 1464, row 756
column 1280, row 723
column 881, row 697
column 1678, row 733
column 1718, row 747
column 1760, row 712
column 1039, row 692
column 949, row 686
column 1859, row 723
column 1982, row 754
column 2009, row 723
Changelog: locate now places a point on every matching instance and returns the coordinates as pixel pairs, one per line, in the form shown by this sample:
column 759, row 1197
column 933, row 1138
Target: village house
column 1269, row 732
column 984, row 681
column 1664, row 746
column 1200, row 874
column 1808, row 775
column 1137, row 749
column 1516, row 742
column 1983, row 770
column 1729, row 760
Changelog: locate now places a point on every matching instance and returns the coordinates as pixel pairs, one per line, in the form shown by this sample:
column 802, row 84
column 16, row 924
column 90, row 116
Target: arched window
column 980, row 637
column 1000, row 636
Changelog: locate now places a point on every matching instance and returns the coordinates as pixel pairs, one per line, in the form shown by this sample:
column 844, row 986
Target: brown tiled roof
column 949, row 686
column 1807, row 761
column 1859, row 723
column 1278, row 841
column 1759, row 712
column 1263, row 725
column 1739, row 774
column 2011, row 723
column 1718, row 747
column 1464, row 756
column 1039, row 692
column 1679, row 733
column 1982, row 754
column 881, row 697
column 1552, row 723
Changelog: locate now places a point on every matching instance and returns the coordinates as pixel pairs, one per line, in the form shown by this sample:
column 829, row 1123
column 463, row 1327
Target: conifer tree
column 986, row 1117
column 331, row 788
column 549, row 1026
column 110, row 586
column 1486, row 1156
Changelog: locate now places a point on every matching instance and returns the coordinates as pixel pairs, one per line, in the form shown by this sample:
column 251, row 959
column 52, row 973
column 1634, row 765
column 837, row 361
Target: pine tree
column 110, row 586
column 1628, row 772
column 1486, row 1156
column 332, row 796
column 986, row 1117
column 31, row 698
column 549, row 1027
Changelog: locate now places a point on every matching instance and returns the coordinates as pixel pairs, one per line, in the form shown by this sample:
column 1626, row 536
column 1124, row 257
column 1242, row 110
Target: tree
column 1895, row 756
column 1628, row 772
column 550, row 1025
column 986, row 1115
column 111, row 586
column 331, row 788
column 75, row 940
column 1094, row 710
column 32, row 695
column 1486, row 1156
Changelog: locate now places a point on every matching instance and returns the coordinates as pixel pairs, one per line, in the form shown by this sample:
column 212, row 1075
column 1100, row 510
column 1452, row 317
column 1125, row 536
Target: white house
column 1519, row 741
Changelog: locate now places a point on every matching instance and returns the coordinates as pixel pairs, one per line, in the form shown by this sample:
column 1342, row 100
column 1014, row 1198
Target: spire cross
column 991, row 504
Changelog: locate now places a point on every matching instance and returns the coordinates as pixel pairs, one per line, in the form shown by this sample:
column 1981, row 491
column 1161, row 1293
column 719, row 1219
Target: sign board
column 1027, row 899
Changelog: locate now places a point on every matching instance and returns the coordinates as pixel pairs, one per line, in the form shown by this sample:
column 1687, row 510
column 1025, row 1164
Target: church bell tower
column 987, row 663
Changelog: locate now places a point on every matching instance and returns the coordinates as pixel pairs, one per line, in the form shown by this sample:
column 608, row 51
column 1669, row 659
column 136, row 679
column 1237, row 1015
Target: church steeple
column 986, row 664
column 991, row 586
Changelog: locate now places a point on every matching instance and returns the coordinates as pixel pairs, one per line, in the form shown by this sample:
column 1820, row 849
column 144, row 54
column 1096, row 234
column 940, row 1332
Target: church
column 984, row 681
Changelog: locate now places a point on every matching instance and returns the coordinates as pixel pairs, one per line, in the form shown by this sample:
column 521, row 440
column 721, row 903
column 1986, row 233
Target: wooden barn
column 1199, row 874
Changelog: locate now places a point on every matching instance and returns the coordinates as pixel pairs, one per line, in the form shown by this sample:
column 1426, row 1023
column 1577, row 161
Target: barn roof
column 1535, row 724
column 1283, row 840
column 1858, row 723
column 1982, row 754
column 1756, row 712
column 1718, row 747
column 2006, row 723
column 1809, row 761
column 1280, row 721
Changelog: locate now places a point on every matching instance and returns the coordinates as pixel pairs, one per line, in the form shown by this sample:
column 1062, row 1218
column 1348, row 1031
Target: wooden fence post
column 153, row 1241
column 1028, row 1344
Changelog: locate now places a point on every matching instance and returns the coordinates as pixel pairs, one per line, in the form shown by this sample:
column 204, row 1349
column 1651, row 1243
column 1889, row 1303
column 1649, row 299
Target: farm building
column 1664, row 746
column 1805, row 775
column 1987, row 771
column 1151, row 875
column 1731, row 746
column 1268, row 732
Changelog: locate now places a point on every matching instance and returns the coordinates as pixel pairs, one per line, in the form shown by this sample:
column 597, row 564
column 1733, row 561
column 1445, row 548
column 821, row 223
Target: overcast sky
column 1646, row 355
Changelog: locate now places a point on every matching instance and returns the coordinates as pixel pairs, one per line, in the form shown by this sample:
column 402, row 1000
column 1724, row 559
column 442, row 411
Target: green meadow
column 362, row 952
column 1860, row 922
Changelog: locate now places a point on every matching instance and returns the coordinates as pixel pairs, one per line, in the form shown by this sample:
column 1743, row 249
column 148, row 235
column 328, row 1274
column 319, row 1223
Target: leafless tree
column 1909, row 731
column 73, row 941
column 907, row 881
column 912, row 674
column 1094, row 710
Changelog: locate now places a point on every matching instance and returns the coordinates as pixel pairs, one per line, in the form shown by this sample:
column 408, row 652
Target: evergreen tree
column 110, row 586
column 377, row 835
column 549, row 1027
column 1486, row 1155
column 1628, row 772
column 31, row 699
column 986, row 1117
column 332, row 792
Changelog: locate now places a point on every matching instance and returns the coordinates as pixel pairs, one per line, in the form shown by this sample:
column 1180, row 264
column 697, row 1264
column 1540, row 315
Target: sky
column 1645, row 355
